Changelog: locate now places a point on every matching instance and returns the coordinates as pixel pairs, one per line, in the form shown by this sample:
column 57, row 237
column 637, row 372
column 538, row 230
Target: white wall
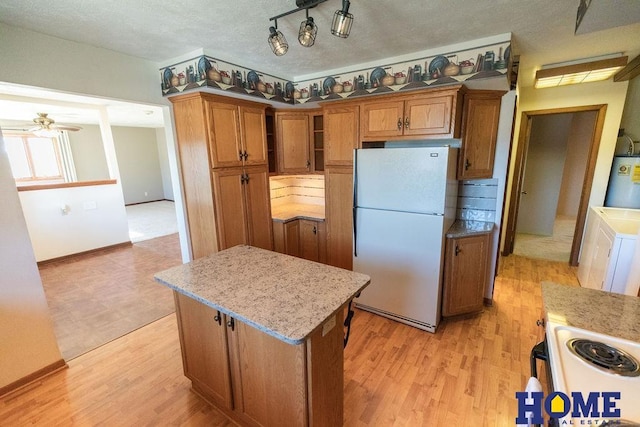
column 545, row 160
column 88, row 153
column 163, row 158
column 500, row 167
column 96, row 219
column 36, row 59
column 139, row 164
column 631, row 114
column 61, row 65
column 575, row 164
column 27, row 341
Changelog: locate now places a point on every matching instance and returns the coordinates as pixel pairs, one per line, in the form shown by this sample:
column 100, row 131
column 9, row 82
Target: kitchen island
column 261, row 334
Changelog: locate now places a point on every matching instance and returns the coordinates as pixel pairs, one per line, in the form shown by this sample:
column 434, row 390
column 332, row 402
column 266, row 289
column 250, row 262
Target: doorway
column 552, row 177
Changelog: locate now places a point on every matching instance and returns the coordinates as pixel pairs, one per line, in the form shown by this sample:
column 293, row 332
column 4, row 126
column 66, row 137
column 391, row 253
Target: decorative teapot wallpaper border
column 481, row 62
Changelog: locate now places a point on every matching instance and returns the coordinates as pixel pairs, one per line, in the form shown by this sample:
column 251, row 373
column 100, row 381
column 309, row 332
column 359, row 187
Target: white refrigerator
column 404, row 202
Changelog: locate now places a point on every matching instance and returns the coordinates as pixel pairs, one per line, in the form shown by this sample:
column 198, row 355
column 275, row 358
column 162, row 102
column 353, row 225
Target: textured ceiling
column 236, row 30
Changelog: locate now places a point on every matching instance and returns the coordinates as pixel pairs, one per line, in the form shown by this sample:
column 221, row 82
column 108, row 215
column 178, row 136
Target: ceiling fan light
column 342, row 21
column 278, row 43
column 308, row 32
column 46, row 133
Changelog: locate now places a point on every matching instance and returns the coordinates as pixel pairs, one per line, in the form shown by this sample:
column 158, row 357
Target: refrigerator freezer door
column 403, row 179
column 401, row 252
column 624, row 183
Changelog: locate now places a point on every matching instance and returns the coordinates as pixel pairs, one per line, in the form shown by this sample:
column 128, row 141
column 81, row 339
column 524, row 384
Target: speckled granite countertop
column 598, row 311
column 284, row 296
column 465, row 227
column 293, row 211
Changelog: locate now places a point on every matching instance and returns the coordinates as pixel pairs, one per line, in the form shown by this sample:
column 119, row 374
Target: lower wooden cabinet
column 256, row 379
column 466, row 264
column 303, row 238
column 243, row 209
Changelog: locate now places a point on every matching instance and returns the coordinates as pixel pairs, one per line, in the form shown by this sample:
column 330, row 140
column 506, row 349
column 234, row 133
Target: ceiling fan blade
column 67, row 127
column 16, row 128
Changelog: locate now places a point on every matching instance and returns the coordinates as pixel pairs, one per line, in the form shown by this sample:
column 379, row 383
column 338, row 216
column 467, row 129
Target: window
column 34, row 159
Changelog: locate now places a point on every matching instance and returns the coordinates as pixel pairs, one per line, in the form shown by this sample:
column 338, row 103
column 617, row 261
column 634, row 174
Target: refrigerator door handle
column 355, row 202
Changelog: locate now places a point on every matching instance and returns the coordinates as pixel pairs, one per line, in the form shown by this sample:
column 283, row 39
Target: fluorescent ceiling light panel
column 585, row 72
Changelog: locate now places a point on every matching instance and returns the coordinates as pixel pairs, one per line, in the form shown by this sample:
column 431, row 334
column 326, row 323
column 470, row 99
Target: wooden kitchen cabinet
column 236, row 134
column 293, row 141
column 466, row 264
column 205, row 354
column 257, row 379
column 302, row 238
column 430, row 114
column 339, row 216
column 341, row 134
column 243, row 212
column 481, row 113
column 223, row 209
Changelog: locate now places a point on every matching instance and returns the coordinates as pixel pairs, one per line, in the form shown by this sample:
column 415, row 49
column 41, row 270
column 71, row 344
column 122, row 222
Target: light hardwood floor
column 464, row 375
column 99, row 296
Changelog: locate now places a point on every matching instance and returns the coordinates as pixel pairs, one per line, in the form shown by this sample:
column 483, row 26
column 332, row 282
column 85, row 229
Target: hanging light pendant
column 276, row 40
column 308, row 31
column 342, row 20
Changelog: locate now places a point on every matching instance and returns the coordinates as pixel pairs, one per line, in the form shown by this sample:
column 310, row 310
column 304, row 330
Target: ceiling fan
column 46, row 126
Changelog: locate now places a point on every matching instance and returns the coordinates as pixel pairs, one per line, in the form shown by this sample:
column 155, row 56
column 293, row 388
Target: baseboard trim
column 23, row 382
column 66, row 257
column 150, row 201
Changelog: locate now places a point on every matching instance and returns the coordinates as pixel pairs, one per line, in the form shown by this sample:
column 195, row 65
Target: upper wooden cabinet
column 293, row 136
column 481, row 113
column 236, row 134
column 300, row 141
column 341, row 134
column 432, row 114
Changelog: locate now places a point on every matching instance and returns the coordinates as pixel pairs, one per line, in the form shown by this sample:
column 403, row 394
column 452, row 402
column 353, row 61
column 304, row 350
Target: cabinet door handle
column 406, row 122
column 540, row 322
column 242, row 179
column 467, row 164
column 231, row 323
column 308, row 164
column 218, row 318
column 241, row 155
column 458, row 250
column 245, row 155
column 315, row 230
column 399, row 123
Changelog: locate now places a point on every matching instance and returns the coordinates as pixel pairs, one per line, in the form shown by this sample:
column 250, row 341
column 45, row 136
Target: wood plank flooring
column 99, row 296
column 395, row 375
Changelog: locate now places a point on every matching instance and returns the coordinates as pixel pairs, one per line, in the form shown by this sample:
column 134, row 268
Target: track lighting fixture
column 342, row 20
column 340, row 27
column 308, row 31
column 278, row 43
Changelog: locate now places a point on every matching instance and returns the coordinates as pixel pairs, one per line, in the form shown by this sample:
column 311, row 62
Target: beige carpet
column 151, row 220
column 556, row 247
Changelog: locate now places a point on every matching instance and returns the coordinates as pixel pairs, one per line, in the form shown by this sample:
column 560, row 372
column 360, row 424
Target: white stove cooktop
column 573, row 374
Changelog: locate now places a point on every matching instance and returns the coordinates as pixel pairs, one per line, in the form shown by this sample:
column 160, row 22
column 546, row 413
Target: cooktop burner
column 605, row 357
